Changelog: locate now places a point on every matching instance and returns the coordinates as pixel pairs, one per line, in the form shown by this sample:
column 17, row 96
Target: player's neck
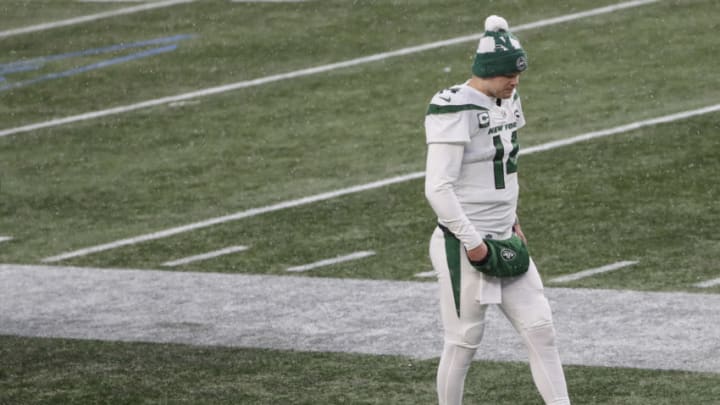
column 481, row 85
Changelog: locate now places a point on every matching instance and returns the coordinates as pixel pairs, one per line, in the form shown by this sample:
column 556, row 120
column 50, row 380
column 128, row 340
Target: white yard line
column 311, row 71
column 205, row 256
column 233, row 217
column 708, row 283
column 92, row 17
column 356, row 189
column 620, row 129
column 5, row 238
column 623, row 128
column 330, row 262
column 592, row 272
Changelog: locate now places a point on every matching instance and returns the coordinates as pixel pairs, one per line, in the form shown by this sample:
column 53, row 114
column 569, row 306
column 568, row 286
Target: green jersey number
column 500, row 167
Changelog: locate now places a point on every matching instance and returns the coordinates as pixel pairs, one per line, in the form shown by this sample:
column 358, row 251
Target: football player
column 478, row 248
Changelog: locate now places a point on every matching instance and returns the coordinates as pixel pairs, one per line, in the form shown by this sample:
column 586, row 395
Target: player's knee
column 469, row 337
column 541, row 333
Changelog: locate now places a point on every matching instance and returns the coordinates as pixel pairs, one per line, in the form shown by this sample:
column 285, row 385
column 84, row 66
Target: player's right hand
column 479, row 253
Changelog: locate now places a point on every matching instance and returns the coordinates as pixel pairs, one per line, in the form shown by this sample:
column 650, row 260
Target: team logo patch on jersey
column 483, row 119
column 517, row 114
column 508, row 254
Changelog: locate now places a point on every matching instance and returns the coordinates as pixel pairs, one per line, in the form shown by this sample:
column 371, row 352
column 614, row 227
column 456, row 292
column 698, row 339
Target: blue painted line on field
column 37, row 63
column 29, row 64
column 18, row 67
column 98, row 65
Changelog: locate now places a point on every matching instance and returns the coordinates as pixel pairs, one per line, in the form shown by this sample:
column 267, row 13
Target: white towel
column 489, row 290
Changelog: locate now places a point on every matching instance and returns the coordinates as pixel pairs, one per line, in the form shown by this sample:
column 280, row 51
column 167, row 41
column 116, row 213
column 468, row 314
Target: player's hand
column 478, row 253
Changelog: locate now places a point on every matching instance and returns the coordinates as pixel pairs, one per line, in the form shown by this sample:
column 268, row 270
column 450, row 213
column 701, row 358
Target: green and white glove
column 506, row 258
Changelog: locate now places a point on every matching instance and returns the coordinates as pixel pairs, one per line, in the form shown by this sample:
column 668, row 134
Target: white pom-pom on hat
column 496, row 23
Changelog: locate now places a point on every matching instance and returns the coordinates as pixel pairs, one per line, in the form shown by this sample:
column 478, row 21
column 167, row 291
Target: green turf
column 239, row 42
column 17, row 14
column 101, row 180
column 61, row 371
column 647, row 195
column 582, row 206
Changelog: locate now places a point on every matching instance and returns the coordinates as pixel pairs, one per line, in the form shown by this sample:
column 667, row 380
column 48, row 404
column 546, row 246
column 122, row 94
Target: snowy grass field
column 278, row 147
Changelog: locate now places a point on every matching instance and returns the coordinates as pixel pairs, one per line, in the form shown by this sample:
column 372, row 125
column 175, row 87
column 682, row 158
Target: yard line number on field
column 315, row 70
column 365, row 187
column 92, row 17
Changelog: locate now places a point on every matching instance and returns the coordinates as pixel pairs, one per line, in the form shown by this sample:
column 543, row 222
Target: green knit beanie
column 499, row 52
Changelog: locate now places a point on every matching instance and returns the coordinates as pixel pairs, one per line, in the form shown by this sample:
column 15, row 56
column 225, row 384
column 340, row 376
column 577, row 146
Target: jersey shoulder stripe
column 449, row 109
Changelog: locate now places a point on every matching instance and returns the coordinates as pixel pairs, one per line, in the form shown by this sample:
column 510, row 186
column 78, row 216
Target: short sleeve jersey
column 487, row 187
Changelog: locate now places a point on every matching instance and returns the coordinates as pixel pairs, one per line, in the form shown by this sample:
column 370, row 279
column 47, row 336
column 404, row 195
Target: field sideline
column 353, row 316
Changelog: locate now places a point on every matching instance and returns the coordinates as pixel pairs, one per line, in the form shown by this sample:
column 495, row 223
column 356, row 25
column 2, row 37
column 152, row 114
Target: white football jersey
column 487, row 185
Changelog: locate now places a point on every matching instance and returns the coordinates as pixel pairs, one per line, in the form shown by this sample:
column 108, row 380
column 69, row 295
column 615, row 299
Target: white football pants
column 523, row 303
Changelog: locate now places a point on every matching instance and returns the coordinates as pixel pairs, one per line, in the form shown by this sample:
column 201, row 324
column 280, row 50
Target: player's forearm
column 442, row 170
